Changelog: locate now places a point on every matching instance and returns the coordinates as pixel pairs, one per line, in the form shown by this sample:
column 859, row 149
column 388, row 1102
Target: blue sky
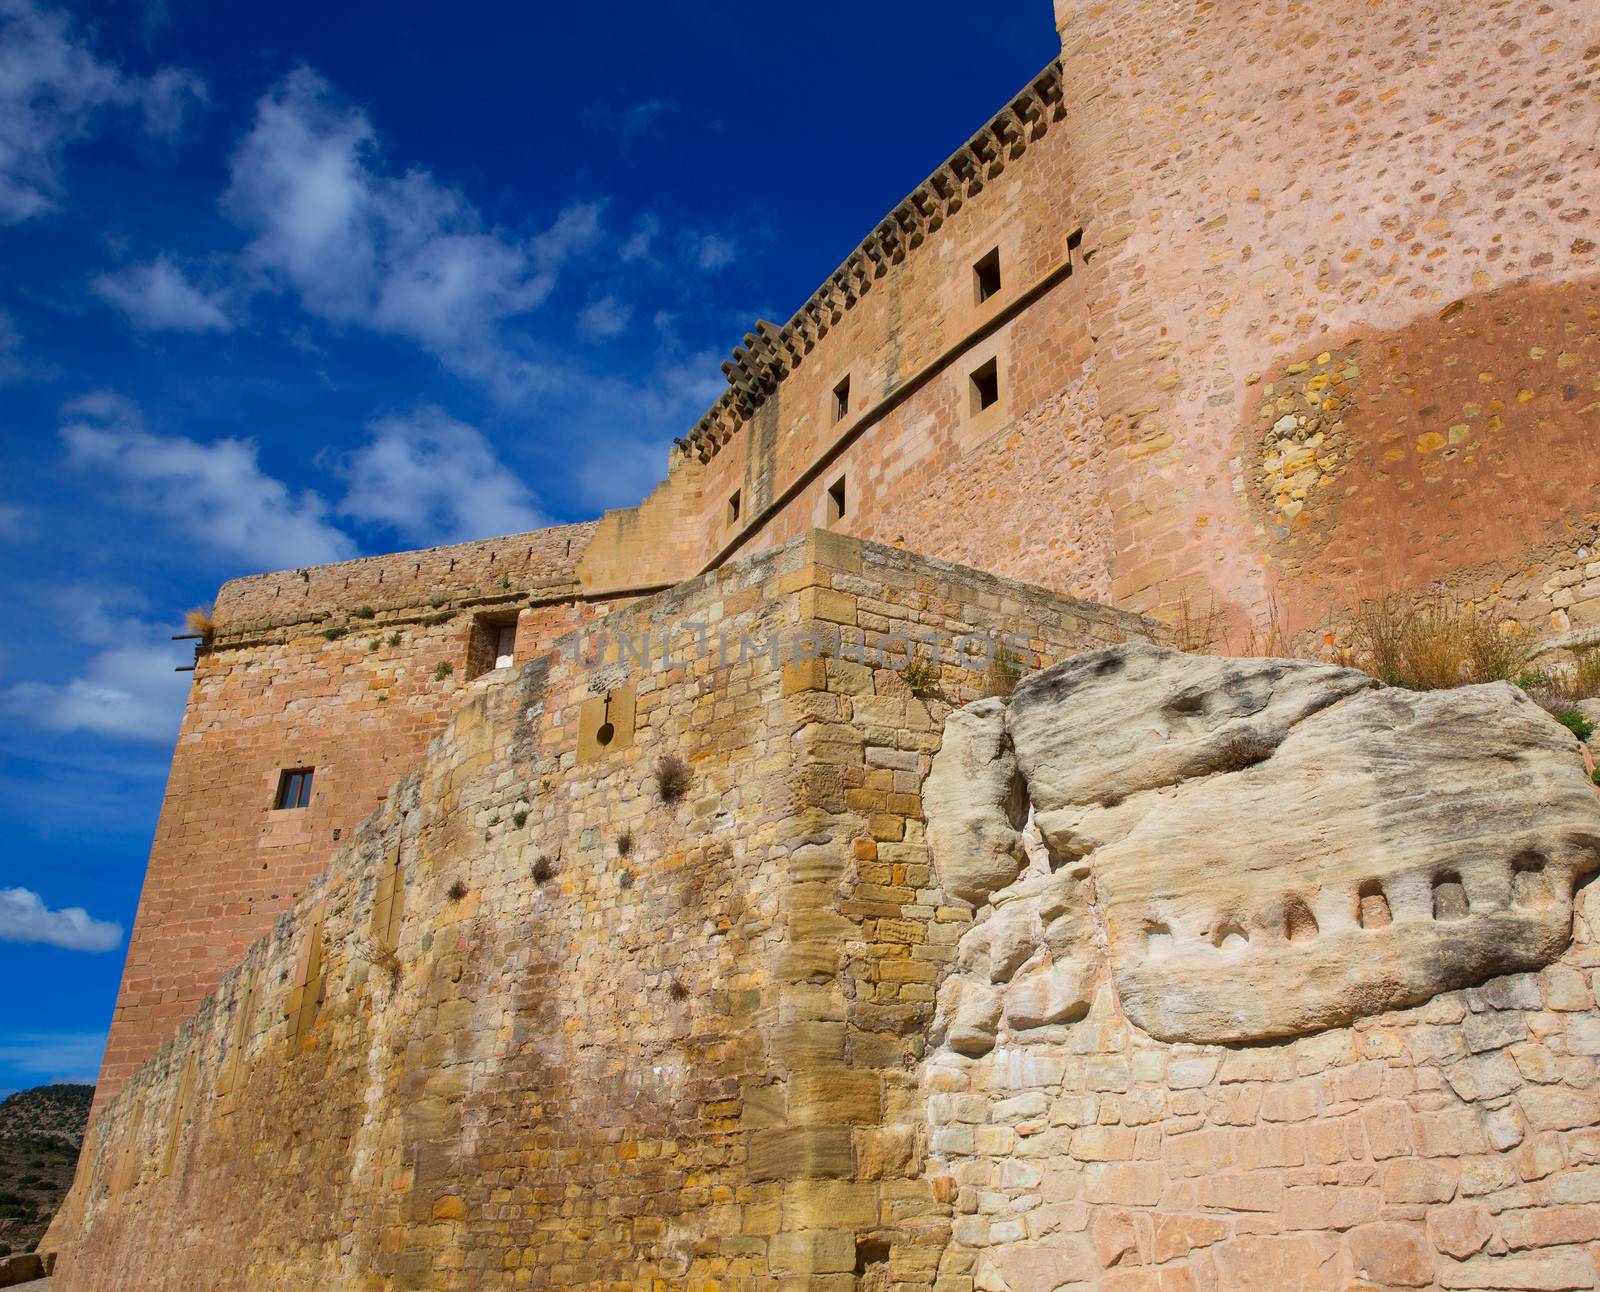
column 288, row 283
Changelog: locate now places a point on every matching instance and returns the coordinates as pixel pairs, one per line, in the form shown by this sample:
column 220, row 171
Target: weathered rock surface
column 981, row 809
column 1276, row 847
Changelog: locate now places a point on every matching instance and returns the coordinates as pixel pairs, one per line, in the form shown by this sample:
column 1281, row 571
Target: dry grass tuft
column 202, row 621
column 673, row 777
column 1005, row 671
column 920, row 675
column 1433, row 645
column 1196, row 634
column 456, row 891
column 380, row 957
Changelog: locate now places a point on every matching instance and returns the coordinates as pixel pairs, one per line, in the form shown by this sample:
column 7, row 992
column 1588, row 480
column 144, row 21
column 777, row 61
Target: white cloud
column 603, row 318
column 637, row 245
column 56, row 1056
column 159, row 297
column 714, row 253
column 25, row 918
column 128, row 693
column 625, row 450
column 435, row 480
column 167, row 99
column 128, row 690
column 398, row 253
column 215, row 494
column 52, row 87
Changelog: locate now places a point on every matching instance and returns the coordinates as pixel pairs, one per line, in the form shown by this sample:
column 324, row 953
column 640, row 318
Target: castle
column 1262, row 307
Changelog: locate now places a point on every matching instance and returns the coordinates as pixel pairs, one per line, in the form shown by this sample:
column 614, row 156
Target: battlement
column 540, row 565
column 771, row 352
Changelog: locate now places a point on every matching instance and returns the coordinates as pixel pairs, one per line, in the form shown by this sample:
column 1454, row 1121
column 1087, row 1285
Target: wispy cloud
column 25, row 918
column 396, row 252
column 604, row 318
column 714, row 252
column 215, row 494
column 126, row 690
column 637, row 245
column 11, row 517
column 625, row 439
column 434, row 479
column 52, row 89
column 158, row 296
column 55, row 1056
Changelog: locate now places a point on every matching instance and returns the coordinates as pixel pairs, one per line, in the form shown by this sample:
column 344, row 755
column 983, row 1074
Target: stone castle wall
column 1376, row 222
column 1298, row 305
column 536, row 1027
column 336, row 668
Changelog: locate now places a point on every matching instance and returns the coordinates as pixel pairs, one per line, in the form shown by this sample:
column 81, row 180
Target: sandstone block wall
column 537, row 1028
column 336, row 668
column 904, row 324
column 1245, row 851
column 607, row 1040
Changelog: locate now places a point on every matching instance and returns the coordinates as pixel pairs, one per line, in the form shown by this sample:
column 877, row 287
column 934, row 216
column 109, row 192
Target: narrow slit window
column 841, row 400
column 986, row 386
column 733, row 508
column 986, row 276
column 836, row 500
column 505, row 646
column 294, row 788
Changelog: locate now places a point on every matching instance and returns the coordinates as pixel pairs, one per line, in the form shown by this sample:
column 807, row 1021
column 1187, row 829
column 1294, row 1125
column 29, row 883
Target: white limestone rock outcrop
column 1274, row 847
column 978, row 826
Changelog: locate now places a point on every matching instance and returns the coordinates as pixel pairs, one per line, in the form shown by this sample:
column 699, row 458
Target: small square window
column 986, row 386
column 986, row 276
column 733, row 508
column 294, row 788
column 836, row 501
column 841, row 400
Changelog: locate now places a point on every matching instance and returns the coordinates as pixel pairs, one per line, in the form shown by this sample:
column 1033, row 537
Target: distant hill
column 41, row 1131
column 47, row 1112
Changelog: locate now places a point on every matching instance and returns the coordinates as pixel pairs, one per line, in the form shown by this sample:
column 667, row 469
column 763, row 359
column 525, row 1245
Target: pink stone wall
column 1265, row 182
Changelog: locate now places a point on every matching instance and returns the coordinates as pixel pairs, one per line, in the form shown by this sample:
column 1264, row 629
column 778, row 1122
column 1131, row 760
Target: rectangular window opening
column 836, row 501
column 841, row 400
column 492, row 645
column 505, row 646
column 986, row 386
column 986, row 276
column 733, row 508
column 294, row 788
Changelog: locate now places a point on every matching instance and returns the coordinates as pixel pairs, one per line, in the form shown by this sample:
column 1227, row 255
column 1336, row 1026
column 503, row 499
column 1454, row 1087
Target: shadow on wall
column 1459, row 441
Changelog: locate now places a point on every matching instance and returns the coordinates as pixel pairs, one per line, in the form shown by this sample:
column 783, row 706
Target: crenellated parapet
column 771, row 352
